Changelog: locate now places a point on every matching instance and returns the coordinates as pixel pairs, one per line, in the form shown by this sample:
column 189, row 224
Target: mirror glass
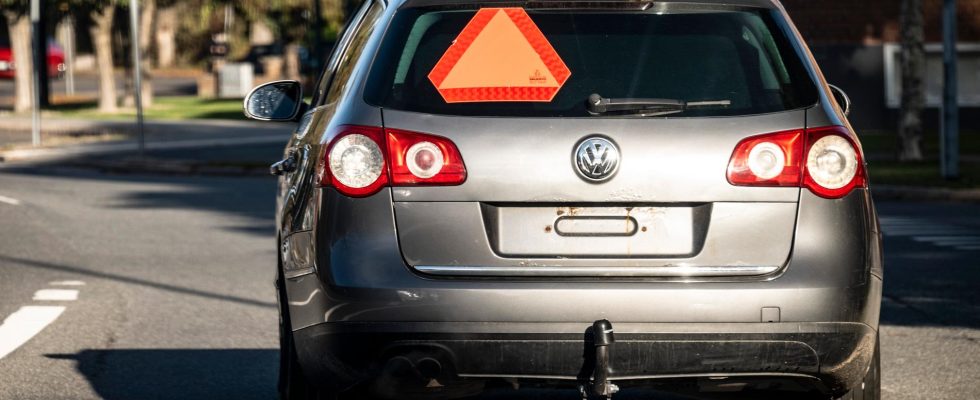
column 274, row 101
column 842, row 100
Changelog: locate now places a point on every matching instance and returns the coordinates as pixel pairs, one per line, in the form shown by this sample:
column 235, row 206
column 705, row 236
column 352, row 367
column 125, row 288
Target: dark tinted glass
column 348, row 59
column 738, row 55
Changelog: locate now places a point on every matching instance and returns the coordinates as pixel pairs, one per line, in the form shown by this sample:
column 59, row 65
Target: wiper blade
column 601, row 105
column 597, row 105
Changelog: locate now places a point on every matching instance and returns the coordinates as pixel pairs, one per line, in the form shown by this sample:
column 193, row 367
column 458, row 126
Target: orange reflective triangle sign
column 500, row 55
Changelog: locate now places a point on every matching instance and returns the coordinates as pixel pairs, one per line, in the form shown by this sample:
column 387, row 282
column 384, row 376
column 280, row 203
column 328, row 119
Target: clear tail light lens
column 825, row 160
column 767, row 160
column 354, row 162
column 833, row 163
column 360, row 160
column 424, row 160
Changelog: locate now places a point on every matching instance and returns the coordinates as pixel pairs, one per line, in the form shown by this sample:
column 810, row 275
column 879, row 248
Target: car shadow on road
column 244, row 374
column 187, row 374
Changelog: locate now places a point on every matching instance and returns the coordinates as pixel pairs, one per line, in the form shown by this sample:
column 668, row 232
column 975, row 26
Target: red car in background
column 56, row 61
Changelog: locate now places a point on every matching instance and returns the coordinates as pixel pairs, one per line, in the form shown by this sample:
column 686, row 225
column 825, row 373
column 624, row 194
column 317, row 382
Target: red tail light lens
column 825, row 160
column 421, row 159
column 767, row 160
column 360, row 160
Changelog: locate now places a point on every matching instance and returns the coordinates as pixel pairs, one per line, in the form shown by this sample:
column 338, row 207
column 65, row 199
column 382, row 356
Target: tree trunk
column 146, row 33
column 19, row 27
column 166, row 36
column 913, row 86
column 101, row 32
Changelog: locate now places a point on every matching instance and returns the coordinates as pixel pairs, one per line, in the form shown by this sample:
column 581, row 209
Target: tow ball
column 599, row 386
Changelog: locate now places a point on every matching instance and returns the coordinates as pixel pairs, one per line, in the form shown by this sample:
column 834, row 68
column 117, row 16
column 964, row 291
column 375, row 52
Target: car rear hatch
column 526, row 208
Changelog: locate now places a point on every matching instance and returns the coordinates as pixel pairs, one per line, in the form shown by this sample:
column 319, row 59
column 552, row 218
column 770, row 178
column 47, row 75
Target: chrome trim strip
column 675, row 271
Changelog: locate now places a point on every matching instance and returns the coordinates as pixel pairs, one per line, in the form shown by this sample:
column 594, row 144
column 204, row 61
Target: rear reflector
column 360, row 160
column 825, row 160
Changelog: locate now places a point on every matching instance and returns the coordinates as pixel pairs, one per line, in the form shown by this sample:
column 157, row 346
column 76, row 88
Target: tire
column 293, row 385
column 870, row 388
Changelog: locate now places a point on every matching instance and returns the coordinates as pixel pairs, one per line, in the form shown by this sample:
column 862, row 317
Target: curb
column 916, row 193
column 148, row 165
column 67, row 152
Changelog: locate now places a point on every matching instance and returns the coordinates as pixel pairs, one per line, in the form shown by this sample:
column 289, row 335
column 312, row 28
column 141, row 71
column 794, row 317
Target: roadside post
column 950, row 146
column 134, row 13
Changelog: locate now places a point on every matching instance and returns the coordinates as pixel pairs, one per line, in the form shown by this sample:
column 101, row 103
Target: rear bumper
column 363, row 302
column 831, row 356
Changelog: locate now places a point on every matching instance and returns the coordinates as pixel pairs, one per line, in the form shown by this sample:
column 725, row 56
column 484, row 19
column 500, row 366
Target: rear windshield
column 729, row 61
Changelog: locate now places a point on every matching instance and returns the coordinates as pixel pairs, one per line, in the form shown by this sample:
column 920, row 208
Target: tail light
column 354, row 162
column 360, row 160
column 833, row 162
column 768, row 160
column 825, row 160
column 420, row 159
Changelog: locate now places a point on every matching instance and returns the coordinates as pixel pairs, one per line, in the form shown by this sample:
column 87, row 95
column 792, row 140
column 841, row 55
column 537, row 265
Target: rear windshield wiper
column 598, row 105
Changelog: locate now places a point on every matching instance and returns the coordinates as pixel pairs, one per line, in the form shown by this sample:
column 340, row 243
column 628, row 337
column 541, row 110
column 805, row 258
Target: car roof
column 772, row 4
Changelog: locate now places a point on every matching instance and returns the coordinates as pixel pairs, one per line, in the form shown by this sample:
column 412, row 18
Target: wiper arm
column 597, row 104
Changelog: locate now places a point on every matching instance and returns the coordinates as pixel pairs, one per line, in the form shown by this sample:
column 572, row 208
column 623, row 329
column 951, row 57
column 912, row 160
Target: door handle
column 285, row 165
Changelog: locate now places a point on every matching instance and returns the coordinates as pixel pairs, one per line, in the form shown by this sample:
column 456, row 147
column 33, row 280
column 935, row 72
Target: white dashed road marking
column 22, row 325
column 938, row 234
column 56, row 295
column 9, row 200
column 28, row 321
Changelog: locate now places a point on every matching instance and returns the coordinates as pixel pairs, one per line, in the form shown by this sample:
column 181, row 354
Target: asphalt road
column 175, row 301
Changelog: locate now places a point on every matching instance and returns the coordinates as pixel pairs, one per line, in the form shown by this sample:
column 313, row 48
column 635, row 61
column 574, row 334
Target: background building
column 856, row 44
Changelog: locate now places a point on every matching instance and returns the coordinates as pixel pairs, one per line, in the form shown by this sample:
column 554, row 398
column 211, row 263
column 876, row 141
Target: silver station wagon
column 594, row 196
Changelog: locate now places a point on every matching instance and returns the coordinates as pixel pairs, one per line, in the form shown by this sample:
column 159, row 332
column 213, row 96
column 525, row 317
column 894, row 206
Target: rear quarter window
column 740, row 57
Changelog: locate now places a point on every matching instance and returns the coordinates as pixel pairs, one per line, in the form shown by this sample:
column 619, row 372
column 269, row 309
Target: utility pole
column 134, row 25
column 950, row 146
column 40, row 69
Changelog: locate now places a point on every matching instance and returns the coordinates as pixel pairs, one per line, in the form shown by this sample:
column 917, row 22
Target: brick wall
column 874, row 21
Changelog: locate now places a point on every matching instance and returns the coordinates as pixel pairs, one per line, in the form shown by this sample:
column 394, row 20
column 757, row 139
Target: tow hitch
column 599, row 386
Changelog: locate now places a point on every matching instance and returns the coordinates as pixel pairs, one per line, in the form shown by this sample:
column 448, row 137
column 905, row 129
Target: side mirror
column 842, row 100
column 275, row 101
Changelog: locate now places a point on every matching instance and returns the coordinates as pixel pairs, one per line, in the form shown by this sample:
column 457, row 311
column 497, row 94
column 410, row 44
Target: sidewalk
column 159, row 135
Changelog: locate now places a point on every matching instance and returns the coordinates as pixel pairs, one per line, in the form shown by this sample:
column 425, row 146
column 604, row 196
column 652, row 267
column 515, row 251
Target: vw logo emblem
column 596, row 159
